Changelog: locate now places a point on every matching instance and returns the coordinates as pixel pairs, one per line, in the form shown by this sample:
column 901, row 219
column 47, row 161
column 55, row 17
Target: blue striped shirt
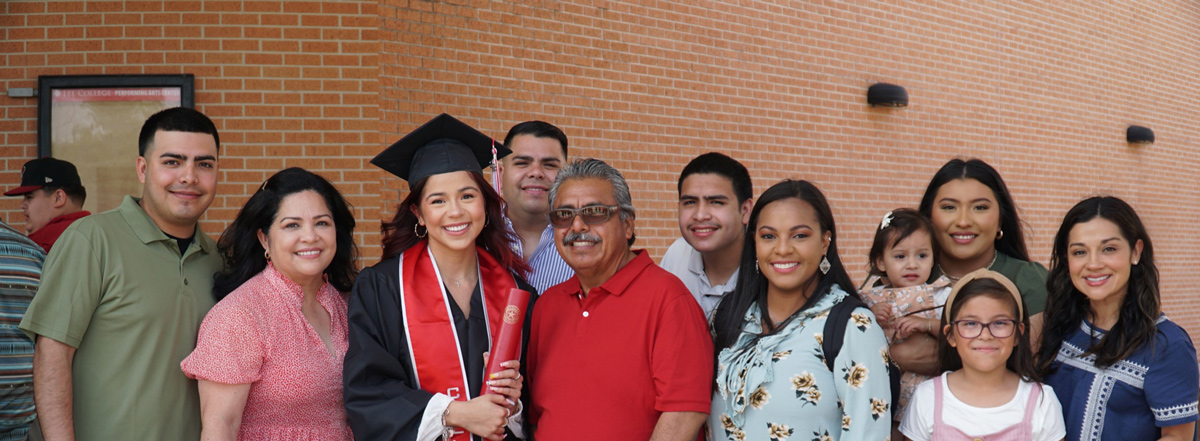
column 20, row 270
column 548, row 267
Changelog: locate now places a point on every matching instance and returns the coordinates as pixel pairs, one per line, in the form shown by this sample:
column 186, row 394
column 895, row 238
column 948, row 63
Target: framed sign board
column 93, row 121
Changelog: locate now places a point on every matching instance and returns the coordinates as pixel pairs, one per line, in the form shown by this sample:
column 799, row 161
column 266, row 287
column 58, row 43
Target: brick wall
column 1042, row 91
column 288, row 83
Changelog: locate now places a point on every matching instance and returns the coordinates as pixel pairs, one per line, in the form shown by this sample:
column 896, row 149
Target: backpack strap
column 835, row 327
column 835, row 335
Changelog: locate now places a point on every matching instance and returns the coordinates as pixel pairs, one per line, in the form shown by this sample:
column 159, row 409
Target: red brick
column 38, row 20
column 64, row 59
column 25, row 8
column 143, row 6
column 239, row 19
column 122, row 45
column 162, row 45
column 200, row 18
column 166, row 18
column 46, row 46
column 144, row 58
column 182, row 6
column 64, row 33
column 280, row 19
column 106, row 6
column 26, row 34
column 262, row 32
column 186, row 32
column 184, row 57
column 84, row 45
column 122, row 18
column 62, row 7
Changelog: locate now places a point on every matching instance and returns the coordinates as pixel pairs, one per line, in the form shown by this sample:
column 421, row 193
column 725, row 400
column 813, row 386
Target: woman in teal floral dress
column 772, row 380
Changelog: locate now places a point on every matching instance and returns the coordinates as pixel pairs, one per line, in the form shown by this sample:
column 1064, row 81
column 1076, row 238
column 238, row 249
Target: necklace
column 953, row 279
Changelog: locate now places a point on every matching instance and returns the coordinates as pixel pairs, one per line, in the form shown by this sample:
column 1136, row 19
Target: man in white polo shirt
column 715, row 198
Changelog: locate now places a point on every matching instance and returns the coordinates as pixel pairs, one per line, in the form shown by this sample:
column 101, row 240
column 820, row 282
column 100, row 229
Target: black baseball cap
column 45, row 172
column 442, row 145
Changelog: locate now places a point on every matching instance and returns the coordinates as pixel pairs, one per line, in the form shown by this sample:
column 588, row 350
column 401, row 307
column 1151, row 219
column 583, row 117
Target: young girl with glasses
column 991, row 390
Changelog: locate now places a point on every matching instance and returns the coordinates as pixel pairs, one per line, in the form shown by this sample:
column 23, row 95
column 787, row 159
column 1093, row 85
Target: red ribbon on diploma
column 508, row 343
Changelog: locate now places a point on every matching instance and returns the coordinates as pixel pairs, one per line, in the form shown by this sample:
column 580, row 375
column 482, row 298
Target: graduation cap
column 442, row 145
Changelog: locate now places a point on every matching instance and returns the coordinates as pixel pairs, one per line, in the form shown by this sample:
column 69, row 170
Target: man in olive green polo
column 123, row 294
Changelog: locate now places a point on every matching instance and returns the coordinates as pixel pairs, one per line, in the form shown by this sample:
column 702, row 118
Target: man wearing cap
column 54, row 198
column 621, row 350
column 539, row 149
column 714, row 205
column 123, row 295
column 20, row 268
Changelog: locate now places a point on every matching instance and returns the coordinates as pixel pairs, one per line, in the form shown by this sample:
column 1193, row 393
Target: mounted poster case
column 93, row 121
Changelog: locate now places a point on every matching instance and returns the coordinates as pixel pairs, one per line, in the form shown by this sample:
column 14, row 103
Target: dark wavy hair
column 1066, row 307
column 399, row 233
column 243, row 252
column 905, row 222
column 1020, row 361
column 1012, row 242
column 752, row 285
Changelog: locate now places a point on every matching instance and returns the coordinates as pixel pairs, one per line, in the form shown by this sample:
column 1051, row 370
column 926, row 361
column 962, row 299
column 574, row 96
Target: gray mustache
column 582, row 237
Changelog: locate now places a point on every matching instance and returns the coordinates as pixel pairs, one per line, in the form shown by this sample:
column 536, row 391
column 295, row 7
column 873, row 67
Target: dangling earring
column 825, row 265
column 267, row 254
column 756, row 266
column 1000, row 235
column 485, row 221
column 418, row 232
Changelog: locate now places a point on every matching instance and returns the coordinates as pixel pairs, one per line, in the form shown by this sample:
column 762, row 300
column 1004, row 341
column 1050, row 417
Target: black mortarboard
column 442, row 145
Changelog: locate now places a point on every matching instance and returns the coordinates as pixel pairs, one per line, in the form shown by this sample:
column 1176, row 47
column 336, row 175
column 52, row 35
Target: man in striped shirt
column 20, row 270
column 539, row 150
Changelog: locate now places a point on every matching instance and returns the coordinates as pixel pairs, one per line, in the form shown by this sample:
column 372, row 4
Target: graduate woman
column 421, row 320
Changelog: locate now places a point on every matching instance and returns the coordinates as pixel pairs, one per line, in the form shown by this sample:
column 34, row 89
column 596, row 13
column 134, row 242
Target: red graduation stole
column 432, row 336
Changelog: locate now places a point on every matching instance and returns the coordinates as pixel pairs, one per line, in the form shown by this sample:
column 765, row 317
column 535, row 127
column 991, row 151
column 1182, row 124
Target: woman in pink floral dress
column 269, row 355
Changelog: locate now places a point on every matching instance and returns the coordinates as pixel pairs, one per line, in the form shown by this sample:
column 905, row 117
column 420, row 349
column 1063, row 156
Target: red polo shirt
column 605, row 366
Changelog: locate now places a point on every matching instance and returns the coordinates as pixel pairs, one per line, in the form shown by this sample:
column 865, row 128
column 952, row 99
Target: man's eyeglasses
column 592, row 215
column 1002, row 328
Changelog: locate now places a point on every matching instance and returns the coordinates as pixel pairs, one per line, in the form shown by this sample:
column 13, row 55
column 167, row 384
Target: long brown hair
column 1066, row 307
column 399, row 234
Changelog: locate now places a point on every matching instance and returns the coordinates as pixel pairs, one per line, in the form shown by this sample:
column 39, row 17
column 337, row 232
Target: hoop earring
column 825, row 265
column 1000, row 235
column 267, row 254
column 418, row 232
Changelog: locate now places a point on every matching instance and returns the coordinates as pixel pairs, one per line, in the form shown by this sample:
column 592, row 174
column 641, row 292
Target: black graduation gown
column 381, row 403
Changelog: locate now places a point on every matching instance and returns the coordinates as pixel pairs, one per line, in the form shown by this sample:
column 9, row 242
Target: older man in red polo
column 620, row 351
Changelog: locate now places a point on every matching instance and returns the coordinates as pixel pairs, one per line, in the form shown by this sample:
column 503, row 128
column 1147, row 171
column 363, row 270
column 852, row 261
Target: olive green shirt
column 1030, row 278
column 116, row 288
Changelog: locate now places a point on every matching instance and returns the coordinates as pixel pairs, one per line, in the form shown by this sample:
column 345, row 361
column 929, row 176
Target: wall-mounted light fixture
column 1139, row 135
column 887, row 95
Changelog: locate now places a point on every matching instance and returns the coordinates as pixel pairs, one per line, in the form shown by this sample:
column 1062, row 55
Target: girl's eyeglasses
column 1002, row 328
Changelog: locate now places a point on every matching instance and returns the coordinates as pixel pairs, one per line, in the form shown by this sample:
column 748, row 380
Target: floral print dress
column 780, row 389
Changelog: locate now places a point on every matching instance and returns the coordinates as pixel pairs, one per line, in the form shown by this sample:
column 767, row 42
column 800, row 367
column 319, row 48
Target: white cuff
column 431, row 420
column 514, row 422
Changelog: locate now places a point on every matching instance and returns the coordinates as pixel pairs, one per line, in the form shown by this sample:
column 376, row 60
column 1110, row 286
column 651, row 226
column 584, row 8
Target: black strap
column 835, row 336
column 835, row 327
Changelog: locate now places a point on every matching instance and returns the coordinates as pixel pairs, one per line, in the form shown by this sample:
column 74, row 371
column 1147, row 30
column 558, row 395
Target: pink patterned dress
column 259, row 335
column 919, row 301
